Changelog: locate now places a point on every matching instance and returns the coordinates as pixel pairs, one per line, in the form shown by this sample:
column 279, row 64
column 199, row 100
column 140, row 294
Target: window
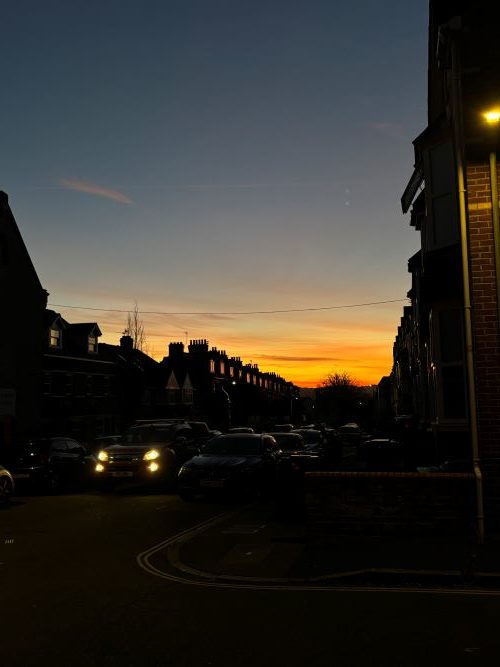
column 80, row 384
column 74, row 447
column 443, row 229
column 98, row 385
column 212, row 366
column 47, row 383
column 452, row 363
column 59, row 384
column 55, row 338
column 173, row 396
column 231, row 371
column 92, row 344
column 187, row 396
column 59, row 445
column 448, row 363
column 270, row 445
column 222, row 367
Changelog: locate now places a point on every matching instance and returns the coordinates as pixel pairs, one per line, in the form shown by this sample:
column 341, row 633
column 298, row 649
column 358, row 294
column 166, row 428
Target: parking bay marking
column 244, row 529
column 258, row 584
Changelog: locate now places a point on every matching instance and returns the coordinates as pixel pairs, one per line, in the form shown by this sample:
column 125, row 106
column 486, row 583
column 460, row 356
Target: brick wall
column 486, row 334
column 404, row 504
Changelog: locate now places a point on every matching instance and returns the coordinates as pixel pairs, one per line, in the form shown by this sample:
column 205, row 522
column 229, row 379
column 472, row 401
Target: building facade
column 205, row 382
column 21, row 336
column 447, row 351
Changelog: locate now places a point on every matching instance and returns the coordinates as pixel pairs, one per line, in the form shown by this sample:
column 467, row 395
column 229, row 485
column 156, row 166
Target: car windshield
column 143, row 435
column 311, row 436
column 199, row 428
column 234, row 445
column 289, row 442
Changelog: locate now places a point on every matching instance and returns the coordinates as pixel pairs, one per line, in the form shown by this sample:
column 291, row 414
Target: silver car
column 6, row 485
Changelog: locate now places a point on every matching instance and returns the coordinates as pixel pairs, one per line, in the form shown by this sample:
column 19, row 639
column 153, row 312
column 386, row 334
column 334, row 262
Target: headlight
column 153, row 467
column 151, row 455
column 99, row 467
column 103, row 456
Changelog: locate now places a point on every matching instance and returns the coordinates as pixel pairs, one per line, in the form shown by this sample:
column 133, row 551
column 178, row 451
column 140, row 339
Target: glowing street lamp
column 492, row 117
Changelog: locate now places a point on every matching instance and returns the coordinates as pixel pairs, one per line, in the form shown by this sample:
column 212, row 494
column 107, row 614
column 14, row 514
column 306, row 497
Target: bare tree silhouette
column 135, row 329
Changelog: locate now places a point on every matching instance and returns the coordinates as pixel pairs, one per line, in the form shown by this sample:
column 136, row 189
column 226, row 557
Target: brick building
column 449, row 342
column 79, row 390
column 205, row 382
column 23, row 305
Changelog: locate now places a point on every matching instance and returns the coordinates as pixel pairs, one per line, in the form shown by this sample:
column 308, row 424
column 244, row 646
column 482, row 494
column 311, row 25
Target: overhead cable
column 239, row 312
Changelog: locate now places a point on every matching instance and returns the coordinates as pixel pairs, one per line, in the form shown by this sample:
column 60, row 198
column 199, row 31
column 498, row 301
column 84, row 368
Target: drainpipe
column 464, row 242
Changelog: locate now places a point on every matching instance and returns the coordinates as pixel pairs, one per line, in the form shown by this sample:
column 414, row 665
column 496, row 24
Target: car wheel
column 5, row 490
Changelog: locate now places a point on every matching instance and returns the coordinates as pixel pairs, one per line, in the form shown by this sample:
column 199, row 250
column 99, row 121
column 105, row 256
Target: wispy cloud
column 94, row 189
column 276, row 357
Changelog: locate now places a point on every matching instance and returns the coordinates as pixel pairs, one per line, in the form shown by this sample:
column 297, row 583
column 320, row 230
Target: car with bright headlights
column 151, row 452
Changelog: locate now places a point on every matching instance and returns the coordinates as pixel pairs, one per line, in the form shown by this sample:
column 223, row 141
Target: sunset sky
column 219, row 157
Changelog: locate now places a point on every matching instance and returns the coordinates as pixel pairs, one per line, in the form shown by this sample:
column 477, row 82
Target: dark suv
column 51, row 464
column 148, row 452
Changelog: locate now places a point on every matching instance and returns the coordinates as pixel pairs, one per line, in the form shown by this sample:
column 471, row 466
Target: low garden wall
column 403, row 503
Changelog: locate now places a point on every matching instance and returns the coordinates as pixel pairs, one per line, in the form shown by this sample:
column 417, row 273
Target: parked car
column 352, row 433
column 451, row 465
column 52, row 464
column 382, row 454
column 104, row 441
column 201, row 432
column 6, row 485
column 283, row 428
column 149, row 452
column 239, row 463
column 295, row 458
column 240, row 429
column 289, row 442
column 313, row 438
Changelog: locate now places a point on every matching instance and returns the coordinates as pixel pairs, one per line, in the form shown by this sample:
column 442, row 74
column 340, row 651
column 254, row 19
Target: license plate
column 122, row 473
column 212, row 483
column 21, row 475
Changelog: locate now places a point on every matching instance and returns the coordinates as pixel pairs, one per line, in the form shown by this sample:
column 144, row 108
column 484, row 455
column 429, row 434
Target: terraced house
column 447, row 351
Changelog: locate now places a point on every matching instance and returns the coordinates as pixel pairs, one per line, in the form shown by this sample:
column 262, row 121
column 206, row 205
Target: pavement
column 252, row 544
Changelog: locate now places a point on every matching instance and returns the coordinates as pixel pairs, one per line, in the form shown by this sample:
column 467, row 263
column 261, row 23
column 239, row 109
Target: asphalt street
column 74, row 591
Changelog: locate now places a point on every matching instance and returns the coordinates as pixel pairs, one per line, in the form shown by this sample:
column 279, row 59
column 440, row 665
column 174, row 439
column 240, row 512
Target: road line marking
column 270, row 584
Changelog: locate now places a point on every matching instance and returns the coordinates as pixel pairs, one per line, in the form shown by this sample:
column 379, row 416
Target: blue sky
column 206, row 155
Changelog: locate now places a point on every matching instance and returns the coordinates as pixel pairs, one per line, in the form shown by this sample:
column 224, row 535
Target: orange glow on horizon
column 302, row 350
column 366, row 362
